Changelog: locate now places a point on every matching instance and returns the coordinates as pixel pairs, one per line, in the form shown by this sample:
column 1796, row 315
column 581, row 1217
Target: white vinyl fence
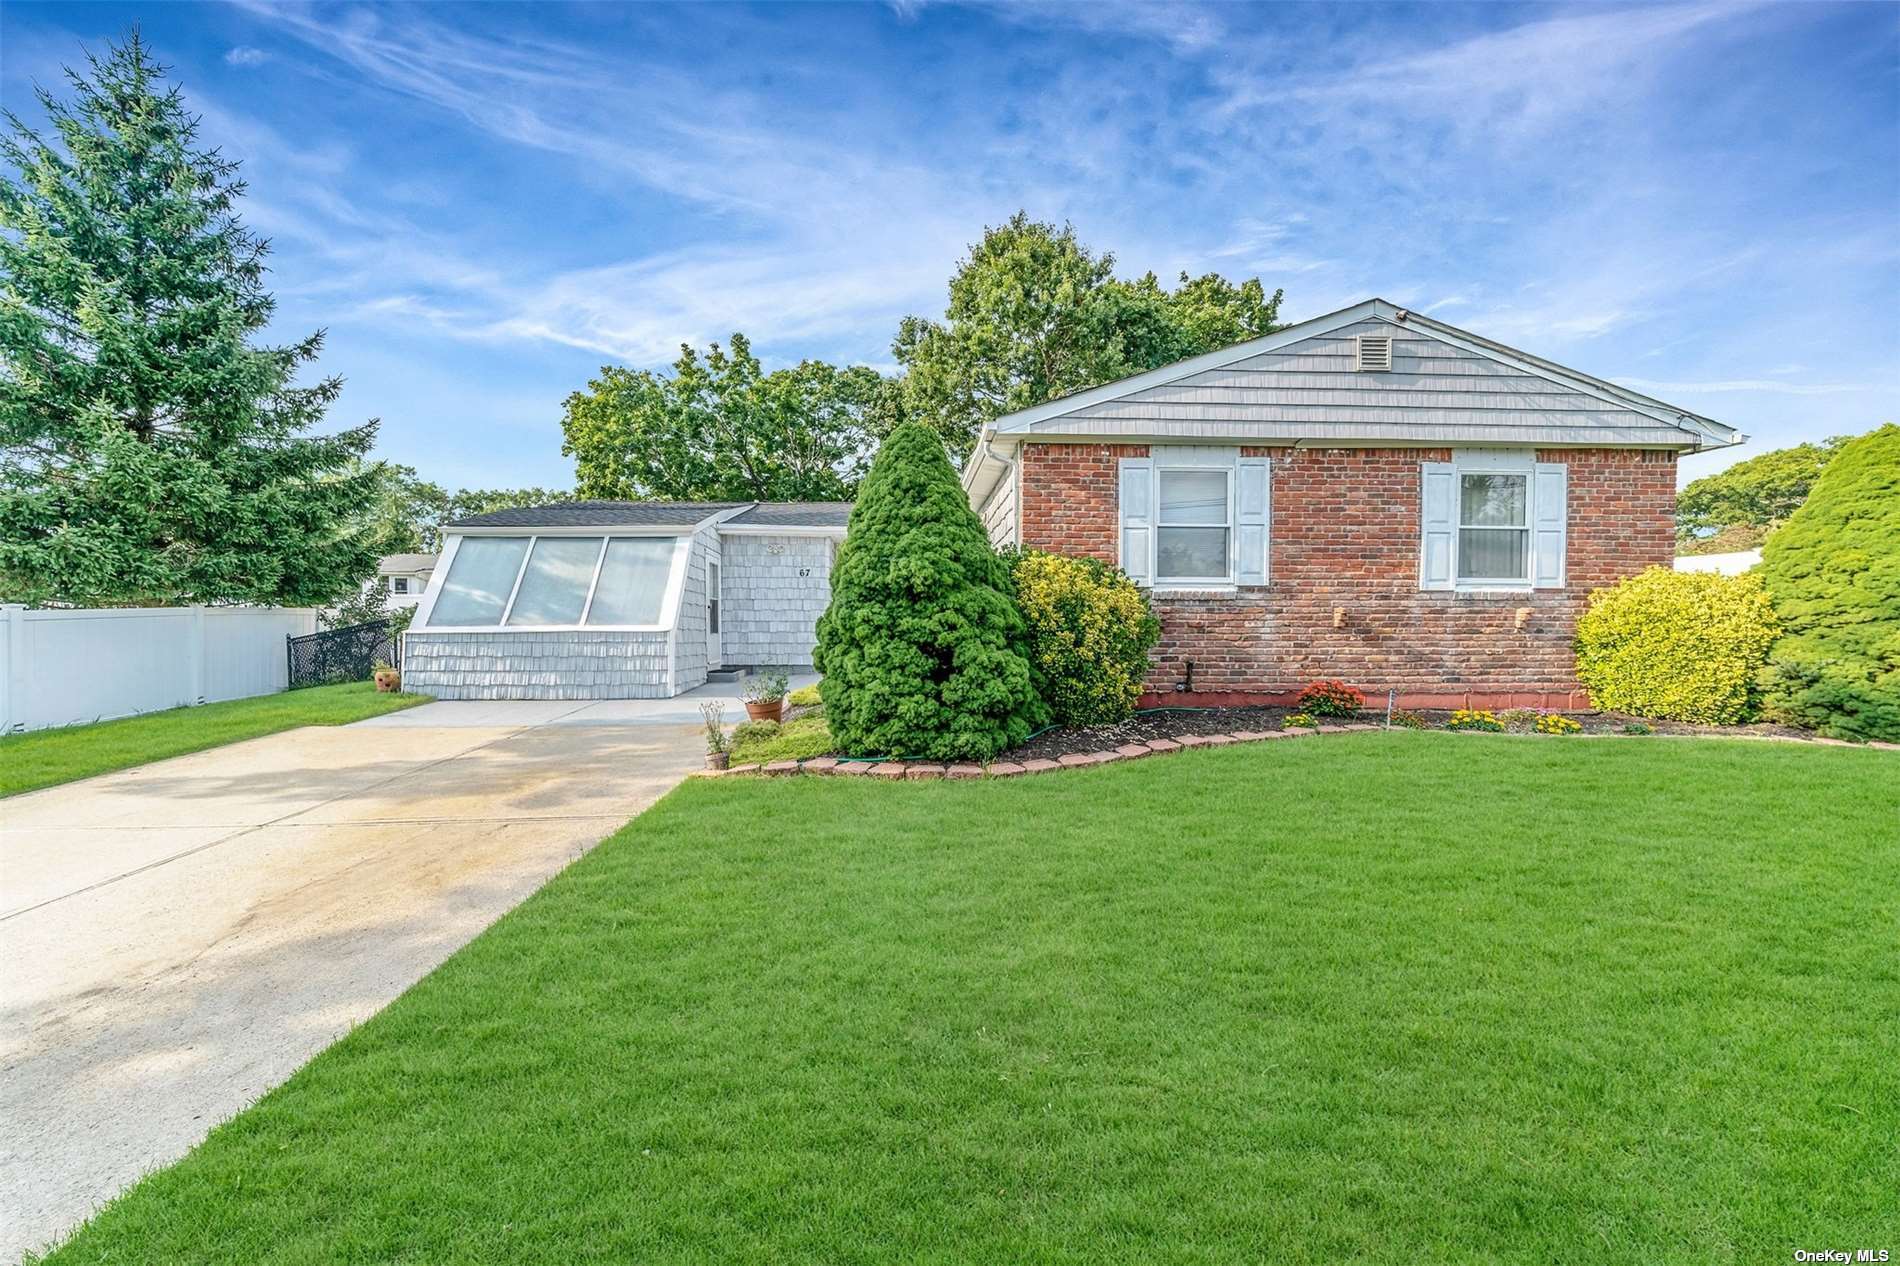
column 69, row 667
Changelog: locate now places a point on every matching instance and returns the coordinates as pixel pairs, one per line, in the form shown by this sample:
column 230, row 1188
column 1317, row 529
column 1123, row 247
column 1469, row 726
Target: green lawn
column 1403, row 998
column 48, row 757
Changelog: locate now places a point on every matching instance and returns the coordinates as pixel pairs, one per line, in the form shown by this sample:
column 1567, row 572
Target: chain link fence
column 350, row 653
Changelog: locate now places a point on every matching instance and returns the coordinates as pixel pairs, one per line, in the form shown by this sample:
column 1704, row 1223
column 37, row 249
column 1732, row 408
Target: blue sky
column 485, row 204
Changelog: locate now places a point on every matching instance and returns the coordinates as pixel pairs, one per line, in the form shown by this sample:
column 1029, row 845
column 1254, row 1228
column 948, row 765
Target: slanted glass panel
column 633, row 580
column 554, row 588
column 478, row 584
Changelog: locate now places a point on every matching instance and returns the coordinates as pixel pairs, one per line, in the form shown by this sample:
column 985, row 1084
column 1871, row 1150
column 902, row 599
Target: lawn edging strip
column 926, row 770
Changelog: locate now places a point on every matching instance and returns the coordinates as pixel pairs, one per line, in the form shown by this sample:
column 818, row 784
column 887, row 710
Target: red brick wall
column 1343, row 599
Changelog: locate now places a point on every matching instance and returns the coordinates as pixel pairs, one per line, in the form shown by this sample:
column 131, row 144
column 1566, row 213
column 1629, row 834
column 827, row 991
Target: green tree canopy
column 410, row 512
column 719, row 428
column 149, row 451
column 1759, row 492
column 1034, row 314
column 1833, row 571
column 922, row 648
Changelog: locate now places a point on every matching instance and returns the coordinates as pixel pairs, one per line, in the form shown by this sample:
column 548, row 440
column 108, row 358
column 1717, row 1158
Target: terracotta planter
column 773, row 711
column 718, row 760
column 388, row 681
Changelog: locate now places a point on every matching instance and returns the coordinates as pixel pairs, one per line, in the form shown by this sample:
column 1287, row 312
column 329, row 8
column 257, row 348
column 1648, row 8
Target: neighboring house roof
column 402, row 564
column 1730, row 564
column 754, row 515
column 795, row 514
column 1301, row 386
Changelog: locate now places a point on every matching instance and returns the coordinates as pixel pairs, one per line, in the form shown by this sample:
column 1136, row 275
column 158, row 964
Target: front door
column 714, row 658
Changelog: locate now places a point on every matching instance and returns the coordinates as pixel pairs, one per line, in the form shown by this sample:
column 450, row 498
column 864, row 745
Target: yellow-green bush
column 1090, row 633
column 1686, row 646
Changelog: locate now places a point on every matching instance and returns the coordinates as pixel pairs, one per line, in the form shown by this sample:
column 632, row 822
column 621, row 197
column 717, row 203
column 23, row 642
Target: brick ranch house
column 1370, row 495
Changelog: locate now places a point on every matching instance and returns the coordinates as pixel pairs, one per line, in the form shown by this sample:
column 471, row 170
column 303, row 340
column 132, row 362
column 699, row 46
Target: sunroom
column 620, row 600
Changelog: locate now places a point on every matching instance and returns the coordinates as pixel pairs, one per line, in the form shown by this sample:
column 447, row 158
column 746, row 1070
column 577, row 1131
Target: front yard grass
column 45, row 758
column 1402, row 997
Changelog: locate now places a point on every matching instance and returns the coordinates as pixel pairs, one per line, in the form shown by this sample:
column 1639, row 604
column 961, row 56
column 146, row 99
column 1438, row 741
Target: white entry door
column 714, row 657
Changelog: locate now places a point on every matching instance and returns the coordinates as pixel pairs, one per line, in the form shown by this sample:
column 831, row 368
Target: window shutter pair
column 1438, row 524
column 1253, row 501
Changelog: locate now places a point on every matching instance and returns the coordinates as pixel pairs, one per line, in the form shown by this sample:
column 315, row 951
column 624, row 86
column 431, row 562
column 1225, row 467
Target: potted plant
column 388, row 679
column 718, row 746
column 764, row 696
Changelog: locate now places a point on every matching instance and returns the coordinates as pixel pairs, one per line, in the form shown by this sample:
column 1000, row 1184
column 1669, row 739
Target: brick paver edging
column 920, row 771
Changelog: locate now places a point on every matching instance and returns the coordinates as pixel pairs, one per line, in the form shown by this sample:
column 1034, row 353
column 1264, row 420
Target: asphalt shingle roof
column 608, row 514
column 796, row 514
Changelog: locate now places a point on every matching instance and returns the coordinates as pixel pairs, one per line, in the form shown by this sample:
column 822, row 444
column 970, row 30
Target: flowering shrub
column 1557, row 723
column 1409, row 720
column 1331, row 699
column 1682, row 645
column 1468, row 719
column 1300, row 721
column 1090, row 631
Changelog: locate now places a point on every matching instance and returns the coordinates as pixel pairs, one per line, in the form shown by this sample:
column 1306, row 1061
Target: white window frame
column 682, row 539
column 1165, row 583
column 400, row 585
column 1488, row 464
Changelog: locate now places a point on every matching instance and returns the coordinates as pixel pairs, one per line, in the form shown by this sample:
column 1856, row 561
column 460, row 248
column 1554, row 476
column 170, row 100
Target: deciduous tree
column 719, row 428
column 1035, row 314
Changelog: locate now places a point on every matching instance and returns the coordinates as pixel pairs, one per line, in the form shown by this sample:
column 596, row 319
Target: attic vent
column 1375, row 353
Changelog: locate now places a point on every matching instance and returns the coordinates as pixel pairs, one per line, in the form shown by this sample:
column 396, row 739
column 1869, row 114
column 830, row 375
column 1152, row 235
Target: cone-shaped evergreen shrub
column 1833, row 571
column 922, row 649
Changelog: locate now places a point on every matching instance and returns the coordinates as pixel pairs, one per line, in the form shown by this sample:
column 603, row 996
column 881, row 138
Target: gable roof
column 1300, row 385
column 829, row 514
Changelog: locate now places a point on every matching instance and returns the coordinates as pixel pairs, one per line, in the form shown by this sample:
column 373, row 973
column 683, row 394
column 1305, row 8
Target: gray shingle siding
column 769, row 614
column 1310, row 390
column 562, row 665
column 999, row 512
column 689, row 646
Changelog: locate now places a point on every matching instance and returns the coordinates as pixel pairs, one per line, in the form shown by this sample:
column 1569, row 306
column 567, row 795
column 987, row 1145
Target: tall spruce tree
column 923, row 650
column 150, row 452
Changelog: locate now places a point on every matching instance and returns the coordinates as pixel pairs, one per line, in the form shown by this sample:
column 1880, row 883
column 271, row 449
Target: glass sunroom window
column 479, row 583
column 1494, row 535
column 554, row 587
column 634, row 574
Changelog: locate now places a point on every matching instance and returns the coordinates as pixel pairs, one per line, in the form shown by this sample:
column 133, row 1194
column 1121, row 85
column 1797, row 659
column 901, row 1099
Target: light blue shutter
column 1548, row 501
column 1252, row 500
column 1438, row 524
column 1137, row 517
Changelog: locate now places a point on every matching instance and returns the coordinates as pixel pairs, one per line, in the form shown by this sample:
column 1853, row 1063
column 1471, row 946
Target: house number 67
column 803, row 572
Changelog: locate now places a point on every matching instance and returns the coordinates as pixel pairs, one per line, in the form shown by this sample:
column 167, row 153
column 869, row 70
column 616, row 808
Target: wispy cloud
column 246, row 55
column 1769, row 385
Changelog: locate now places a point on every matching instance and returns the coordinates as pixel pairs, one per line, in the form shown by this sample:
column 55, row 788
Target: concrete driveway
column 179, row 938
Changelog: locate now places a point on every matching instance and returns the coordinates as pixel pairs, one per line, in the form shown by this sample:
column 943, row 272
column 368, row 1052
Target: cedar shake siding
column 1343, row 598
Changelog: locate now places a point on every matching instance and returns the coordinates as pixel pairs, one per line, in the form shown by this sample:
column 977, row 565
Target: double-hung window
column 1494, row 529
column 1194, row 517
column 1493, row 519
column 1193, row 526
column 542, row 582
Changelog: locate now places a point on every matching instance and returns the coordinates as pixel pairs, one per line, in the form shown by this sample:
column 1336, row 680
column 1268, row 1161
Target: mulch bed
column 1169, row 723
